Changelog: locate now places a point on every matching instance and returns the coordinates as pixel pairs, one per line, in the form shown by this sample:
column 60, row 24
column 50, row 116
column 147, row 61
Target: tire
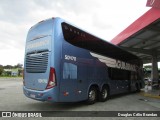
column 92, row 96
column 104, row 94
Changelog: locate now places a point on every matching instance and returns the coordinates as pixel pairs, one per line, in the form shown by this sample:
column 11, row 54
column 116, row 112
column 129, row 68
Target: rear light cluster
column 52, row 79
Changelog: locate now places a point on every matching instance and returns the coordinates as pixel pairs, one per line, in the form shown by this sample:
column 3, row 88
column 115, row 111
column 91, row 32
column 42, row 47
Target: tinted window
column 119, row 74
column 69, row 71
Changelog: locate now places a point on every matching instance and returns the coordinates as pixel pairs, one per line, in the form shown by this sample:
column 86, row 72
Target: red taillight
column 52, row 79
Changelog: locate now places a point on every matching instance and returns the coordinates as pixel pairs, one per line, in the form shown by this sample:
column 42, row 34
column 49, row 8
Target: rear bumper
column 45, row 95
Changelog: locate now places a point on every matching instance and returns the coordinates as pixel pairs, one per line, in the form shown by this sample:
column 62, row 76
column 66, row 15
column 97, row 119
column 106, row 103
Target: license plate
column 32, row 96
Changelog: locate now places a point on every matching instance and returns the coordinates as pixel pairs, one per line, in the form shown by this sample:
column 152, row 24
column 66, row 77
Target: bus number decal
column 42, row 81
column 68, row 57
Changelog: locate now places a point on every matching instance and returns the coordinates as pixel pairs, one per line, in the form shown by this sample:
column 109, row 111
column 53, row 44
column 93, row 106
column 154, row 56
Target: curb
column 149, row 95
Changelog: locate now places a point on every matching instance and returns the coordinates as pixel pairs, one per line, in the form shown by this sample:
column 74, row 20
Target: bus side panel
column 89, row 71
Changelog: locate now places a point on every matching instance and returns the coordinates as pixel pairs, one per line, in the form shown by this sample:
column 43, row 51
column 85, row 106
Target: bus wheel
column 104, row 94
column 92, row 95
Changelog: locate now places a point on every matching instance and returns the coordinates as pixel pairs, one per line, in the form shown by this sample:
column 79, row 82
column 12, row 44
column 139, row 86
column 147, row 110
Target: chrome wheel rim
column 104, row 94
column 92, row 95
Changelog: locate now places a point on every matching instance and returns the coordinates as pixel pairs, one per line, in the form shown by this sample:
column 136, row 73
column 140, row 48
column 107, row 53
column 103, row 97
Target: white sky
column 103, row 18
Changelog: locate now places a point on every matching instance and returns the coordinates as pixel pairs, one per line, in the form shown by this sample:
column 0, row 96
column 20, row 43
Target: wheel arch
column 94, row 85
column 105, row 85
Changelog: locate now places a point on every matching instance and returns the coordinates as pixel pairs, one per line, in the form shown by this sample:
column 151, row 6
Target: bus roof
column 90, row 42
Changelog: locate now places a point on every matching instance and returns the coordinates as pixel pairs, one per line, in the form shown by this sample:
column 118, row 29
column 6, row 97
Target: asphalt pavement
column 13, row 99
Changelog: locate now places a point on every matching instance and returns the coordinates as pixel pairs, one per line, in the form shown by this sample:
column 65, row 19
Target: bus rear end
column 39, row 71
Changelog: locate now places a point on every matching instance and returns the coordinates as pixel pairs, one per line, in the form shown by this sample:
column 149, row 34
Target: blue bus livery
column 66, row 64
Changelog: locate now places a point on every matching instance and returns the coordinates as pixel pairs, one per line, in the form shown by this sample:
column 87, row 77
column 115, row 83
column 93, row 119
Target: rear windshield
column 41, row 29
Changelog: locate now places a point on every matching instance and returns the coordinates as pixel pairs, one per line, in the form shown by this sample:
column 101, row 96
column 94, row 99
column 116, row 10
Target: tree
column 1, row 69
column 8, row 67
column 18, row 65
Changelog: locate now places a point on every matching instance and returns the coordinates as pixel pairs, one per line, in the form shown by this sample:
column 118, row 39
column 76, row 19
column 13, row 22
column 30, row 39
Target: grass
column 10, row 76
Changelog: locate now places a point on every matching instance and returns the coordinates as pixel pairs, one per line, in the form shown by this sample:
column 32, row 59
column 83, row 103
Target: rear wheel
column 104, row 94
column 92, row 95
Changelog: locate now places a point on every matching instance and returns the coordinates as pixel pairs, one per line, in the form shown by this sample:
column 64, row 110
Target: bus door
column 82, row 80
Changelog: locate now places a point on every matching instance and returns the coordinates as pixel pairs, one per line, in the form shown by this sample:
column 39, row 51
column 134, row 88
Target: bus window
column 69, row 71
column 118, row 74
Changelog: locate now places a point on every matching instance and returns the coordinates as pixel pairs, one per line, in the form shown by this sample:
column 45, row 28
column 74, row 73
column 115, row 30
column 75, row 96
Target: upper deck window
column 80, row 38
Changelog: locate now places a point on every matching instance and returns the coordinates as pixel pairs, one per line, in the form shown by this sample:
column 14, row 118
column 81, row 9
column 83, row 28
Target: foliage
column 11, row 67
column 1, row 70
column 8, row 70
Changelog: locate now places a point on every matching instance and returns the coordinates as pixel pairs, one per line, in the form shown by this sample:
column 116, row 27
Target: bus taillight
column 52, row 79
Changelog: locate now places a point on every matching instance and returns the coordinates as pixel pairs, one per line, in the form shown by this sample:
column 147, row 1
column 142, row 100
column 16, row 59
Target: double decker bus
column 64, row 63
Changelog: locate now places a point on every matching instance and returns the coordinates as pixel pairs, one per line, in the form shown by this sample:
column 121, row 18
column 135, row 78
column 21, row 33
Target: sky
column 103, row 18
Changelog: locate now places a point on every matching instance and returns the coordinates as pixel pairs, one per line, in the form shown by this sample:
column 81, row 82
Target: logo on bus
column 125, row 66
column 37, row 44
column 113, row 63
column 68, row 57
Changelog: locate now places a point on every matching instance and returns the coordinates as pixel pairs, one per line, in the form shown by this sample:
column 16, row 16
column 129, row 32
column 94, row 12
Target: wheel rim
column 104, row 94
column 92, row 95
